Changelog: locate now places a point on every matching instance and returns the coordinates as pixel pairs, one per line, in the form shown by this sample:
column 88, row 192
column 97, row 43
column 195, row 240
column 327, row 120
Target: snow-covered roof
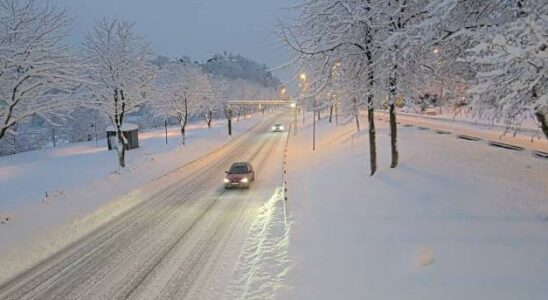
column 125, row 127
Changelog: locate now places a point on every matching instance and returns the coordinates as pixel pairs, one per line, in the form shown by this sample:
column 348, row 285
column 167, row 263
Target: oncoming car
column 277, row 128
column 239, row 175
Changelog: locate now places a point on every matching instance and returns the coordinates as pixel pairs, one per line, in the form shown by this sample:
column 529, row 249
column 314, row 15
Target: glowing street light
column 303, row 76
column 283, row 91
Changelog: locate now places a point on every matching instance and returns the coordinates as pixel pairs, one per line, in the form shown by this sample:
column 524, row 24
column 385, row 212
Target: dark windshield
column 238, row 169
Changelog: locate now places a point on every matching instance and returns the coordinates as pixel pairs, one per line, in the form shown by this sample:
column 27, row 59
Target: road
column 180, row 243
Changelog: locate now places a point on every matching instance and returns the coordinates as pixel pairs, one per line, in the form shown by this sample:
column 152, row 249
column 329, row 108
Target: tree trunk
column 372, row 142
column 12, row 132
column 3, row 132
column 121, row 148
column 331, row 114
column 165, row 127
column 543, row 120
column 392, row 112
column 314, row 131
column 53, row 140
column 183, row 133
column 8, row 119
column 356, row 114
column 394, row 136
column 122, row 157
column 370, row 104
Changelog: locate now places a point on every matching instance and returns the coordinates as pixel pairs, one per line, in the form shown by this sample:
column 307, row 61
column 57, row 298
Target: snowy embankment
column 85, row 188
column 528, row 136
column 456, row 219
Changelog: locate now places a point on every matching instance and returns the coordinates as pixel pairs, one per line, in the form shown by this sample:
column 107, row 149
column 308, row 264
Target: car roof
column 236, row 164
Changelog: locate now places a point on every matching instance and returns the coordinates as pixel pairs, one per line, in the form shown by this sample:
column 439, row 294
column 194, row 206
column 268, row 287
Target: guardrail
column 468, row 122
column 492, row 143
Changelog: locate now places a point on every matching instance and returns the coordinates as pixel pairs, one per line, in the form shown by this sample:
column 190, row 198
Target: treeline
column 51, row 93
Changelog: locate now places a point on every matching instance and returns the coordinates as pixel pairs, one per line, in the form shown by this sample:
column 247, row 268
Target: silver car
column 277, row 128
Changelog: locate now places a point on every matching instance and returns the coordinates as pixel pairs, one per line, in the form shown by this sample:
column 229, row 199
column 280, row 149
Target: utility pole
column 165, row 126
column 295, row 118
column 314, row 126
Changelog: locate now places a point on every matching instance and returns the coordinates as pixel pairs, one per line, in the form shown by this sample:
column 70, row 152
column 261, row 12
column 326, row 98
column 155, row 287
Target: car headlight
column 274, row 128
column 226, row 180
column 281, row 128
column 245, row 180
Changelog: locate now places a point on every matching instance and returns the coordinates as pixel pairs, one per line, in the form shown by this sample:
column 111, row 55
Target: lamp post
column 294, row 106
column 303, row 86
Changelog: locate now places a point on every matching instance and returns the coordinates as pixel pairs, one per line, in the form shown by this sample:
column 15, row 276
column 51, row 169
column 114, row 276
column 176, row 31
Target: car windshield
column 238, row 169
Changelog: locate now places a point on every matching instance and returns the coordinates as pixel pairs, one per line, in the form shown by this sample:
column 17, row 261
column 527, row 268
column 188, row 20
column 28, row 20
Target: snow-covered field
column 456, row 220
column 82, row 182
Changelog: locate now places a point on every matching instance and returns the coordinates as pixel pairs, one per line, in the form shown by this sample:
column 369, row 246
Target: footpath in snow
column 84, row 186
column 456, row 219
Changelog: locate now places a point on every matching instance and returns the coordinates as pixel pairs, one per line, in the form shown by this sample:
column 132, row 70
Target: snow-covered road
column 183, row 239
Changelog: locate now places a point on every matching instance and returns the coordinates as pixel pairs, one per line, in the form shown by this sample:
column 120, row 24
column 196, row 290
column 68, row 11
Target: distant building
column 130, row 132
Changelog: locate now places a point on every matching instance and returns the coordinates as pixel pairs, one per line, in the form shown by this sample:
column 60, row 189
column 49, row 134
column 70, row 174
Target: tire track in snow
column 86, row 261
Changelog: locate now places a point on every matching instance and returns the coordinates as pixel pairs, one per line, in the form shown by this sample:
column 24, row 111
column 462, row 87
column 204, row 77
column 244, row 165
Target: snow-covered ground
column 80, row 179
column 456, row 219
column 528, row 134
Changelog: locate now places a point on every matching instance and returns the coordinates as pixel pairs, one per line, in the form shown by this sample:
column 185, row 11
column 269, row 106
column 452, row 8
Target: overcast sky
column 198, row 28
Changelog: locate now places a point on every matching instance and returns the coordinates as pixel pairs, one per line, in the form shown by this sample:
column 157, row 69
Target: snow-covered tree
column 221, row 91
column 232, row 66
column 208, row 104
column 397, row 45
column 181, row 89
column 512, row 80
column 120, row 74
column 504, row 43
column 329, row 32
column 37, row 69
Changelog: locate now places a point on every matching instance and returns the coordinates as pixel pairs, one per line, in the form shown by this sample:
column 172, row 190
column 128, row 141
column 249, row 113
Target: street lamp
column 294, row 106
column 303, row 87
